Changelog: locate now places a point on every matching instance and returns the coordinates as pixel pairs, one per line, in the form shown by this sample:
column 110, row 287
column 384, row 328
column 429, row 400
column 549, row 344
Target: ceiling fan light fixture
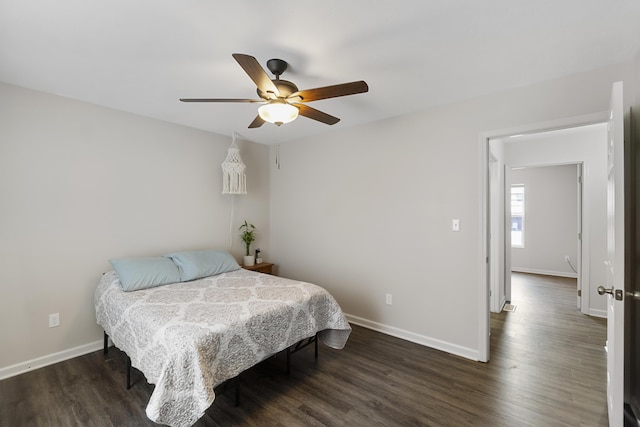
column 278, row 112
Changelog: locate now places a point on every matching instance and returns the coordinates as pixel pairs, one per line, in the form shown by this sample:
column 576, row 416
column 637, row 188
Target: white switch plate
column 389, row 299
column 54, row 320
column 455, row 225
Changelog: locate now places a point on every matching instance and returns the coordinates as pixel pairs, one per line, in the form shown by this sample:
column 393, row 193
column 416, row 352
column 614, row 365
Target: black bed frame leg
column 106, row 350
column 128, row 372
column 316, row 346
column 288, row 361
column 297, row 347
column 237, row 391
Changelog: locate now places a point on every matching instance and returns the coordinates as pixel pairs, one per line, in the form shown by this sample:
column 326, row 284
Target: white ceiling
column 140, row 56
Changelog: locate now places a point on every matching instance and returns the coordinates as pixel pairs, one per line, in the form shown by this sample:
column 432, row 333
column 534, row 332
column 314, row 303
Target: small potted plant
column 248, row 235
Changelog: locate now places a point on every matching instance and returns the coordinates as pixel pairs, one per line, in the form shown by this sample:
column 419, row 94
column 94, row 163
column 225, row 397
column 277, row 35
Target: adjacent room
column 150, row 130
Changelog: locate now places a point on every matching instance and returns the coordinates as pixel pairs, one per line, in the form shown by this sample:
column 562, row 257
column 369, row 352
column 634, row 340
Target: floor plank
column 547, row 368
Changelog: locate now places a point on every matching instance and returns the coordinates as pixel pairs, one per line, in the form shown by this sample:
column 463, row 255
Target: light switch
column 455, row 225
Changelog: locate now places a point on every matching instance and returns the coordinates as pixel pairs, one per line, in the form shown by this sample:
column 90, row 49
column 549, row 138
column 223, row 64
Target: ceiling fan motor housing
column 285, row 88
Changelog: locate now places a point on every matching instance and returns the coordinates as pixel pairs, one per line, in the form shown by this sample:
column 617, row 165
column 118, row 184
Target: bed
column 191, row 336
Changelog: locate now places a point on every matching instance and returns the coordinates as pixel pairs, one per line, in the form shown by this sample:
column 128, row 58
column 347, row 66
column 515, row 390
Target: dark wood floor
column 547, row 368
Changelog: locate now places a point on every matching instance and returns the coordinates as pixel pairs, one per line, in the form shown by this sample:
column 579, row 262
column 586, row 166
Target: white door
column 614, row 289
column 497, row 225
column 506, row 268
column 496, row 195
column 579, row 250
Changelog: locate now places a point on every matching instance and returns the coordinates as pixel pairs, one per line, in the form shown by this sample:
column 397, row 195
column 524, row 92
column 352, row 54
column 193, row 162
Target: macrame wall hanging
column 234, row 179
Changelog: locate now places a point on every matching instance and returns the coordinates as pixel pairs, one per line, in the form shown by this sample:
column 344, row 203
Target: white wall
column 363, row 211
column 80, row 184
column 551, row 220
column 366, row 211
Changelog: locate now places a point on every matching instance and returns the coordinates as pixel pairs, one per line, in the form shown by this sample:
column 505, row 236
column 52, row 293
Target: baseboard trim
column 544, row 272
column 598, row 313
column 465, row 352
column 41, row 362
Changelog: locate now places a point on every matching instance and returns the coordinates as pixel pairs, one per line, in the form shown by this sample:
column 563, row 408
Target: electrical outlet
column 389, row 299
column 566, row 258
column 54, row 320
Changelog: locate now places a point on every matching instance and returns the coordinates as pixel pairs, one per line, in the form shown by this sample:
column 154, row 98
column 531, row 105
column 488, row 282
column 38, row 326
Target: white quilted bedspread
column 187, row 338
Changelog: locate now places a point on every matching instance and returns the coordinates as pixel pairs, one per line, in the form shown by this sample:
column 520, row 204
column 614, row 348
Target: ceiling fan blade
column 318, row 115
column 252, row 67
column 325, row 92
column 219, row 100
column 256, row 123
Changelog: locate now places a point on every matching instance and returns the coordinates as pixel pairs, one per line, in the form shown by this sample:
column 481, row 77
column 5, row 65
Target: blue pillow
column 145, row 272
column 197, row 264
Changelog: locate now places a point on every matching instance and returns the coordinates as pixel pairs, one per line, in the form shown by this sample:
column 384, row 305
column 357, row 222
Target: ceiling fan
column 282, row 99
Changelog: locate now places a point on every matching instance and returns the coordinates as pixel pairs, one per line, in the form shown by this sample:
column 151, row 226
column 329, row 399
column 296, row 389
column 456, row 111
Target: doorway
column 580, row 140
column 543, row 226
column 582, row 147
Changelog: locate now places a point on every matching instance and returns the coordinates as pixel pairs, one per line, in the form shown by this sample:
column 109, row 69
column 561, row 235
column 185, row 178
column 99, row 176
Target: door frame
column 484, row 250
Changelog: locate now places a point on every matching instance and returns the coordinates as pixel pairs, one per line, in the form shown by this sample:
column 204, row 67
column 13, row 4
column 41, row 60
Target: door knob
column 602, row 290
column 618, row 294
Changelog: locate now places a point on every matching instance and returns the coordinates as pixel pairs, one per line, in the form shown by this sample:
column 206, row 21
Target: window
column 517, row 216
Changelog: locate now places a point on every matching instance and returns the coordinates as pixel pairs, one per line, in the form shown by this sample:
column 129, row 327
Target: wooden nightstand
column 263, row 267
